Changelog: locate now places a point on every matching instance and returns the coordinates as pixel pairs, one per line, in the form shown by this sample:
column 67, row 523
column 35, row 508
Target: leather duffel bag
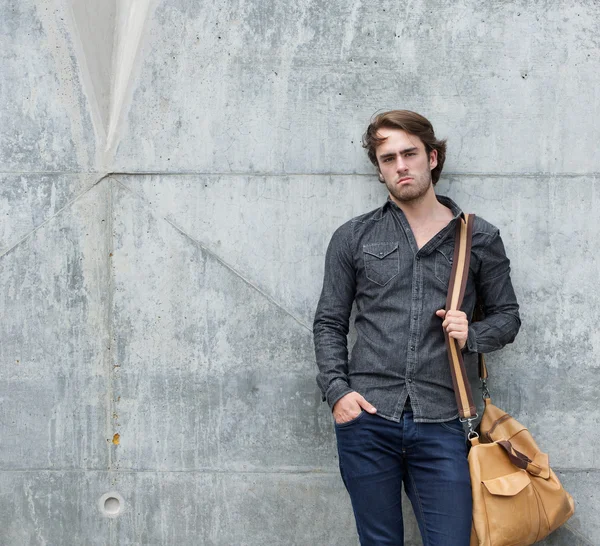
column 517, row 498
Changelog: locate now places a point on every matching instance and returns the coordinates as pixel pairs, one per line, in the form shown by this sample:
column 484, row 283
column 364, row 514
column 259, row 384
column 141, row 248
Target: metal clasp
column 469, row 420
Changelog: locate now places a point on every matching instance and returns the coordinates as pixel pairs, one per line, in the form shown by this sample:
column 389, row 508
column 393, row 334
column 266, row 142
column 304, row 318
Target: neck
column 421, row 210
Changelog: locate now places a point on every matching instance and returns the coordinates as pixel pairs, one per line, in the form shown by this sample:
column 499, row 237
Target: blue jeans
column 377, row 455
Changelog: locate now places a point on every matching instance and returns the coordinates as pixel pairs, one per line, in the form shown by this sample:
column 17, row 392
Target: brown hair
column 413, row 124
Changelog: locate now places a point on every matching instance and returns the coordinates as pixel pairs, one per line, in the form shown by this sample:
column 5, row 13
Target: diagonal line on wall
column 215, row 256
column 577, row 534
column 47, row 220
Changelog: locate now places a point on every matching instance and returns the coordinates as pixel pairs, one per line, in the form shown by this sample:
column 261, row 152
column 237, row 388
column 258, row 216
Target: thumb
column 441, row 313
column 365, row 405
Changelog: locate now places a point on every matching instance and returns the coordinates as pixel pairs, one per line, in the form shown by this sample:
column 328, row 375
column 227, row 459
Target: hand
column 456, row 325
column 349, row 406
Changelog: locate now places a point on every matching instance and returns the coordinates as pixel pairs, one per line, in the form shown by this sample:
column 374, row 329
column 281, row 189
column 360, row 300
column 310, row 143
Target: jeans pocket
column 352, row 421
column 382, row 261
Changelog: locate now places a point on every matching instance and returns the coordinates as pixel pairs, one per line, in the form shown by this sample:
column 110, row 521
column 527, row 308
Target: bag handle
column 456, row 293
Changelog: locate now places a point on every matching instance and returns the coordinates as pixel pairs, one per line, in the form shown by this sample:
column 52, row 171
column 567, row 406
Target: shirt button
column 410, row 380
column 414, row 317
column 412, row 347
column 381, row 253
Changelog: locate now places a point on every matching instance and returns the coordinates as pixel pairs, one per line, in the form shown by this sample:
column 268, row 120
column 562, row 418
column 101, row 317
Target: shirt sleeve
column 499, row 302
column 332, row 318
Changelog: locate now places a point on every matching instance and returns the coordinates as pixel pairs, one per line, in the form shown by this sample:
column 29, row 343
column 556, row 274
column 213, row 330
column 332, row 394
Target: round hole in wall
column 111, row 504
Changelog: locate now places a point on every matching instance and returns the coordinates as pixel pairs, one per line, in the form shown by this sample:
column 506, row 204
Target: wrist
column 337, row 389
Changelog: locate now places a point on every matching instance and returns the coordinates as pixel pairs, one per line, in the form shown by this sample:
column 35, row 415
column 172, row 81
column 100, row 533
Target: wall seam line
column 445, row 175
column 333, row 472
column 226, row 470
column 109, row 324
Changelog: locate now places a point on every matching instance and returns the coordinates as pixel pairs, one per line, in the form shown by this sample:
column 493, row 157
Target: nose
column 400, row 165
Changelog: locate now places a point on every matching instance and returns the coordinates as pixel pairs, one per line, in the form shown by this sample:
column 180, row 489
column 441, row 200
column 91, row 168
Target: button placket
column 414, row 326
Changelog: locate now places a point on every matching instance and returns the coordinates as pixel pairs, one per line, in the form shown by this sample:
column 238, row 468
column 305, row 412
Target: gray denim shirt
column 400, row 351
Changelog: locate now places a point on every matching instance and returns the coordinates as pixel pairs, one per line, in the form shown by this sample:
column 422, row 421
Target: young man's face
column 404, row 165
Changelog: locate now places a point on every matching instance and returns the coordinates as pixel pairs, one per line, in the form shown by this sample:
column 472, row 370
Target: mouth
column 405, row 179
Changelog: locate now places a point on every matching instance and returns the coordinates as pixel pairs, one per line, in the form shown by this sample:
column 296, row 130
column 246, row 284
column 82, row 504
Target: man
column 393, row 403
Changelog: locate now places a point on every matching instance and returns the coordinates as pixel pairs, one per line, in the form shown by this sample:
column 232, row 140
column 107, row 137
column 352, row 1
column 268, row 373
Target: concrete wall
column 170, row 175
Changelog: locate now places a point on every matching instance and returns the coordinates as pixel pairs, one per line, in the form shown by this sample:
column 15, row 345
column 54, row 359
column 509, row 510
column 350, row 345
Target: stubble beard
column 412, row 192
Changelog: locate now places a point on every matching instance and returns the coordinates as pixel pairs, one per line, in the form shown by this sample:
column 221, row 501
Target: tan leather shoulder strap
column 456, row 292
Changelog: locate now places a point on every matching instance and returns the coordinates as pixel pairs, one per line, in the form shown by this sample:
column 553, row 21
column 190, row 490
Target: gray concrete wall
column 170, row 174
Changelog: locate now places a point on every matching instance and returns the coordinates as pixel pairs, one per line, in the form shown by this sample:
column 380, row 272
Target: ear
column 433, row 159
column 381, row 179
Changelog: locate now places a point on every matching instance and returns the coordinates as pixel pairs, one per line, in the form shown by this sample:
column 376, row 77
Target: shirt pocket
column 382, row 261
column 443, row 263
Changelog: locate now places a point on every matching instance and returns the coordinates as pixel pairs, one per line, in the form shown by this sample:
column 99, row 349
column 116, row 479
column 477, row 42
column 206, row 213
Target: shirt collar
column 446, row 201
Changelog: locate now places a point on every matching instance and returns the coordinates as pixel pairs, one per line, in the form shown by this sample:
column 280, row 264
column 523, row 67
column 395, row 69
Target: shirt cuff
column 471, row 345
column 337, row 388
